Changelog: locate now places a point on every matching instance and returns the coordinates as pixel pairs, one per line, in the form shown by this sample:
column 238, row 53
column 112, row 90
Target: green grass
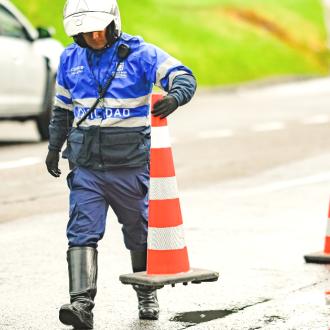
column 219, row 45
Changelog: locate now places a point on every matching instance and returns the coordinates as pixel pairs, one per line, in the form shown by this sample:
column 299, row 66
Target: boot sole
column 67, row 317
column 149, row 316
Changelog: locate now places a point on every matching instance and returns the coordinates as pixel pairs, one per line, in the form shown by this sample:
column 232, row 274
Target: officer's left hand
column 52, row 161
column 165, row 107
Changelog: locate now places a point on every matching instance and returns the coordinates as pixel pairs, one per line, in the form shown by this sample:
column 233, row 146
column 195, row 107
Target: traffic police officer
column 104, row 85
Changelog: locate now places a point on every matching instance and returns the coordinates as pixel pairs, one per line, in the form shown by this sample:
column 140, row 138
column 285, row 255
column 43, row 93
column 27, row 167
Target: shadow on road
column 5, row 143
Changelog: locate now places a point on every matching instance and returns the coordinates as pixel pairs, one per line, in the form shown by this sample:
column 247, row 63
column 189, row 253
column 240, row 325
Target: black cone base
column 318, row 258
column 195, row 276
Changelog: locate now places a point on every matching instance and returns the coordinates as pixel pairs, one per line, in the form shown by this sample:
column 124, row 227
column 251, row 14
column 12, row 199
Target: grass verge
column 223, row 41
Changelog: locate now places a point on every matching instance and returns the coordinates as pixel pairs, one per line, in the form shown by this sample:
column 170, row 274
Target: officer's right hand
column 52, row 160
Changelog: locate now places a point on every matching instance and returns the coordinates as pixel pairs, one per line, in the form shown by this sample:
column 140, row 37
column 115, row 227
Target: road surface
column 253, row 169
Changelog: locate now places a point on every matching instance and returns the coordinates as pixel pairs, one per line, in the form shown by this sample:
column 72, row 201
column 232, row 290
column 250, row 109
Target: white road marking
column 283, row 185
column 222, row 133
column 266, row 127
column 262, row 127
column 20, row 163
column 317, row 119
column 309, row 87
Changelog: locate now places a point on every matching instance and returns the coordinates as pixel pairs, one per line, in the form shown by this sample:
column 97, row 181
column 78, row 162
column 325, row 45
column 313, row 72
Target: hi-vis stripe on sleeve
column 164, row 67
column 62, row 91
column 170, row 238
column 116, row 103
column 173, row 75
column 59, row 103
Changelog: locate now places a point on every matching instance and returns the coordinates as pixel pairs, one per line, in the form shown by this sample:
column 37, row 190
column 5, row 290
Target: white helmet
column 81, row 16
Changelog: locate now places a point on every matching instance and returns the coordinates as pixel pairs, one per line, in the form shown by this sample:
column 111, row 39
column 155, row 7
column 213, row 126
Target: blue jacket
column 125, row 109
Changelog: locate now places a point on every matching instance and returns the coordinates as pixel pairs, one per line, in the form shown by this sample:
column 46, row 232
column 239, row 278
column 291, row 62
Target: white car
column 28, row 63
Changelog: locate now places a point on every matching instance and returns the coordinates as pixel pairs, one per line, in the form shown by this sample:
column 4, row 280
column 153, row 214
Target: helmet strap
column 80, row 40
column 111, row 35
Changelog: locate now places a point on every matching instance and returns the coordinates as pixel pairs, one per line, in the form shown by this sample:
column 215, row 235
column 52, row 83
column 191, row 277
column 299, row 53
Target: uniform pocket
column 75, row 143
column 143, row 181
column 123, row 149
column 70, row 178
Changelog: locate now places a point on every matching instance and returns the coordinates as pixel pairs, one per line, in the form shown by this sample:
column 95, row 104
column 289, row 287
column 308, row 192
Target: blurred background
column 225, row 41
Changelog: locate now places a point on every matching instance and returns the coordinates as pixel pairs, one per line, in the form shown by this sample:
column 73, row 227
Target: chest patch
column 77, row 70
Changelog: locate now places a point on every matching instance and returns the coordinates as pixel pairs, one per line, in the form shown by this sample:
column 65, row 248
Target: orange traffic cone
column 167, row 261
column 167, row 251
column 322, row 257
column 327, row 297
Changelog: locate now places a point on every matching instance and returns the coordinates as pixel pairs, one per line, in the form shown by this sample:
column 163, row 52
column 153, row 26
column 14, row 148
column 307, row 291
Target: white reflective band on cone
column 163, row 188
column 328, row 228
column 171, row 238
column 160, row 137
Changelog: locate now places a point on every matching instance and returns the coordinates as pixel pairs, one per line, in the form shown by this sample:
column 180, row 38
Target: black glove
column 165, row 107
column 52, row 160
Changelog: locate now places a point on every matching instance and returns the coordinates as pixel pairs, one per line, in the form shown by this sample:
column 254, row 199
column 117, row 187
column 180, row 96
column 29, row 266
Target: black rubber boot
column 148, row 303
column 82, row 265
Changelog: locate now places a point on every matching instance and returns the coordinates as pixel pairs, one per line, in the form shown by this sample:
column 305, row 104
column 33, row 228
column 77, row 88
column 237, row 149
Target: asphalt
column 253, row 227
column 256, row 239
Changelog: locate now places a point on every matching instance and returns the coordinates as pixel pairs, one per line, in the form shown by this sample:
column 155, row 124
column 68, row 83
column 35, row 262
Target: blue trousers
column 125, row 190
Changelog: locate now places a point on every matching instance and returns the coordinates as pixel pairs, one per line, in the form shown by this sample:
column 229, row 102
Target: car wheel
column 43, row 119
